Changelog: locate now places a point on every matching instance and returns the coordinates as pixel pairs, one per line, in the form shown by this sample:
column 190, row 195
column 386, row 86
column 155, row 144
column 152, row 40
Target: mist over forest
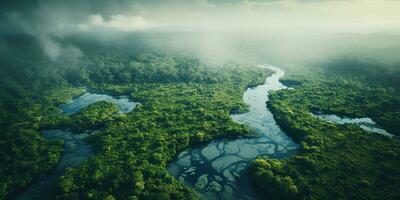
column 200, row 99
column 287, row 32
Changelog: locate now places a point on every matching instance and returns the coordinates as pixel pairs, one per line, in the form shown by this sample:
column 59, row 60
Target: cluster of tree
column 349, row 97
column 170, row 119
column 371, row 72
column 121, row 66
column 183, row 102
column 93, row 117
column 334, row 161
column 24, row 154
column 268, row 173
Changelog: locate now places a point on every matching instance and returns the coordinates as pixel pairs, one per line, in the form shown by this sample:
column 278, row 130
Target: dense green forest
column 200, row 99
column 335, row 161
column 183, row 102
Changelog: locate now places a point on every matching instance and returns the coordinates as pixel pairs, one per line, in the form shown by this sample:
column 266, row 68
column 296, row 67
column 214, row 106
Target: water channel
column 216, row 170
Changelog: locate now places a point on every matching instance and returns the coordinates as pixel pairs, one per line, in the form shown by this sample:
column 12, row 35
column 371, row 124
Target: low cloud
column 118, row 23
column 55, row 50
column 50, row 42
column 220, row 29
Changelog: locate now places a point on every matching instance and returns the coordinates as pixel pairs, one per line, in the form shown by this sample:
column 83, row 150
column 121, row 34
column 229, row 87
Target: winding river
column 76, row 150
column 216, row 170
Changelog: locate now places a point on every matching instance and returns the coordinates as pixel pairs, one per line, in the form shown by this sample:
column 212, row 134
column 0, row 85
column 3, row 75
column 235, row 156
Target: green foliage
column 183, row 102
column 92, row 117
column 371, row 72
column 172, row 117
column 268, row 173
column 335, row 161
column 124, row 66
column 24, row 154
column 198, row 137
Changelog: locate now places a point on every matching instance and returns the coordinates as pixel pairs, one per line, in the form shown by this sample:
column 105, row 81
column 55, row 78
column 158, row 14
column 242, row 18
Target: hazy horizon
column 294, row 31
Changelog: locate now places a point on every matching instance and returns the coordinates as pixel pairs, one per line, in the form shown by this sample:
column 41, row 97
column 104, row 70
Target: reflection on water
column 216, row 170
column 88, row 98
column 365, row 123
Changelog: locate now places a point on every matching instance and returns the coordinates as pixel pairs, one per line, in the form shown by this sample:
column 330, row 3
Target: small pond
column 365, row 123
column 75, row 105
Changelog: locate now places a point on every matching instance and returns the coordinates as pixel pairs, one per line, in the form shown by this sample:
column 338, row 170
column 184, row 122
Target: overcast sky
column 275, row 16
column 225, row 29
